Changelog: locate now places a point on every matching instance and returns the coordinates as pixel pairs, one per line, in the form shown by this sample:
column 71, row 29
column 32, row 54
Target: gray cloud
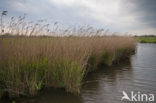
column 134, row 16
column 144, row 10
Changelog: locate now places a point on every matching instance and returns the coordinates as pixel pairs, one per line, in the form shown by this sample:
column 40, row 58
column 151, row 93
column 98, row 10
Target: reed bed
column 30, row 62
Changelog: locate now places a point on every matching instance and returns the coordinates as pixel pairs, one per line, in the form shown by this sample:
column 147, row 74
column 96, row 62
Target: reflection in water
column 50, row 95
column 106, row 84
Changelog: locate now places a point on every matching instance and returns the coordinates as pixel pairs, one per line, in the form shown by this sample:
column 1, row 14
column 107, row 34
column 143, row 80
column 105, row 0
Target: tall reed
column 30, row 61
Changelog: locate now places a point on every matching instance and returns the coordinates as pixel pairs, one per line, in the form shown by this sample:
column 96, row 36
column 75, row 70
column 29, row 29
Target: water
column 106, row 84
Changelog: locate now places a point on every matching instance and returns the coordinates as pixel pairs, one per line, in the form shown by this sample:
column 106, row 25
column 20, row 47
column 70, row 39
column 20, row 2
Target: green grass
column 147, row 39
column 29, row 76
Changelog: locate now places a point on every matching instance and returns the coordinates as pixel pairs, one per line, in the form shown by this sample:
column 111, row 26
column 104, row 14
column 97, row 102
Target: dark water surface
column 106, row 85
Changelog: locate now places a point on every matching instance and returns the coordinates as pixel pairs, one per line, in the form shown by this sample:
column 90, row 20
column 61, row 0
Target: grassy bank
column 28, row 64
column 147, row 39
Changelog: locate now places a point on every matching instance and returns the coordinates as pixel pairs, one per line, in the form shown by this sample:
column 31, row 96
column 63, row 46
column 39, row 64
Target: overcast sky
column 133, row 16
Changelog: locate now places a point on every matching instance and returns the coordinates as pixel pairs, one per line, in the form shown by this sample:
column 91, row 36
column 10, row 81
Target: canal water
column 106, row 85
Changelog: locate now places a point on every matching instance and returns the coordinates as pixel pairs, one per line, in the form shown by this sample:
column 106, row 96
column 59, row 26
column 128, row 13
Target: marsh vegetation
column 147, row 39
column 33, row 56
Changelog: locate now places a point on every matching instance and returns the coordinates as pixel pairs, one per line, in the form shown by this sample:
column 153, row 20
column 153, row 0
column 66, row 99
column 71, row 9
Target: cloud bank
column 133, row 16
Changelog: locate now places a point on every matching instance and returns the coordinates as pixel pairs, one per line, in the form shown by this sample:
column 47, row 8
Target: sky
column 136, row 17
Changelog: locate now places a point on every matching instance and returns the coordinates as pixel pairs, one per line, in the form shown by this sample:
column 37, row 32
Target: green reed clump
column 29, row 76
column 94, row 61
column 64, row 74
column 21, row 77
column 106, row 59
column 122, row 54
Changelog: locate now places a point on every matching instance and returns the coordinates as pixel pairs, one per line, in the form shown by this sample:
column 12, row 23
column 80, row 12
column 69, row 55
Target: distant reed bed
column 30, row 61
column 147, row 39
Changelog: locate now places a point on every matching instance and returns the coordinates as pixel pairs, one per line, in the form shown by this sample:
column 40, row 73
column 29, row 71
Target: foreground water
column 106, row 84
